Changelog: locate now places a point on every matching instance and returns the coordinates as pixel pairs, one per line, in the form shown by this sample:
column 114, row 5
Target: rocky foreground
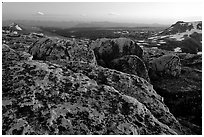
column 104, row 88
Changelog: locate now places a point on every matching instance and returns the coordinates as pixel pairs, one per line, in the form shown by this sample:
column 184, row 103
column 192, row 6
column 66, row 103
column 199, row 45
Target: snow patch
column 199, row 53
column 178, row 49
column 17, row 27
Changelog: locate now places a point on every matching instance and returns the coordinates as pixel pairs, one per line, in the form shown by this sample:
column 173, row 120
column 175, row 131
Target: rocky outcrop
column 165, row 65
column 43, row 98
column 130, row 85
column 130, row 64
column 109, row 49
column 77, row 97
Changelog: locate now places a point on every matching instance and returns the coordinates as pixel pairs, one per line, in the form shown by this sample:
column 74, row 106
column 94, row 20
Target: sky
column 124, row 12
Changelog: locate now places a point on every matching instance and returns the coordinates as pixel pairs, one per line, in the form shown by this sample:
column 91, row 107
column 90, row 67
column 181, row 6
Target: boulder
column 48, row 49
column 168, row 65
column 130, row 64
column 109, row 49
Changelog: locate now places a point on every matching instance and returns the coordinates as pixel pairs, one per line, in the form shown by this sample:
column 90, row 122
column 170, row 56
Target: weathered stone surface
column 130, row 85
column 166, row 65
column 47, row 49
column 42, row 98
column 82, row 53
column 130, row 64
column 8, row 54
column 109, row 49
column 25, row 56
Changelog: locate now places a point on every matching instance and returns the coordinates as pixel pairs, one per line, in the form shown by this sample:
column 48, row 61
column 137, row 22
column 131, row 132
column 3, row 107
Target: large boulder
column 165, row 65
column 50, row 49
column 109, row 49
column 44, row 98
column 47, row 49
column 130, row 64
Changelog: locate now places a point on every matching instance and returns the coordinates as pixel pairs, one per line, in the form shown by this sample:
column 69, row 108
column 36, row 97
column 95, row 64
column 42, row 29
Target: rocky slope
column 76, row 96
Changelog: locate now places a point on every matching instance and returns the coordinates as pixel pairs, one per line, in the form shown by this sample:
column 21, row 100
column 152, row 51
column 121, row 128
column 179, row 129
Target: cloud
column 113, row 14
column 40, row 13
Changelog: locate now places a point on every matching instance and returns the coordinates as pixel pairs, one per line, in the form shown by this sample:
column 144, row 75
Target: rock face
column 109, row 49
column 77, row 97
column 166, row 65
column 81, row 53
column 9, row 54
column 48, row 49
column 130, row 85
column 130, row 64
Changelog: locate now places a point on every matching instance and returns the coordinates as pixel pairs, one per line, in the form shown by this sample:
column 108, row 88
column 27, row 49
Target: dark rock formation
column 183, row 94
column 165, row 65
column 109, row 49
column 130, row 64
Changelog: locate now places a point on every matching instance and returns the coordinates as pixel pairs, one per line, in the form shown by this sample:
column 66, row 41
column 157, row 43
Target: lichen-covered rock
column 130, row 64
column 166, row 65
column 109, row 49
column 25, row 55
column 130, row 85
column 48, row 49
column 9, row 54
column 81, row 53
column 44, row 98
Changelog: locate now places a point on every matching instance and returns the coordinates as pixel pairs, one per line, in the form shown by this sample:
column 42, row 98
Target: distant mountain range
column 182, row 30
column 181, row 36
column 75, row 24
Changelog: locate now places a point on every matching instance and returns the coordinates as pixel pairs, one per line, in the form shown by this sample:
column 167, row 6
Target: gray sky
column 129, row 12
